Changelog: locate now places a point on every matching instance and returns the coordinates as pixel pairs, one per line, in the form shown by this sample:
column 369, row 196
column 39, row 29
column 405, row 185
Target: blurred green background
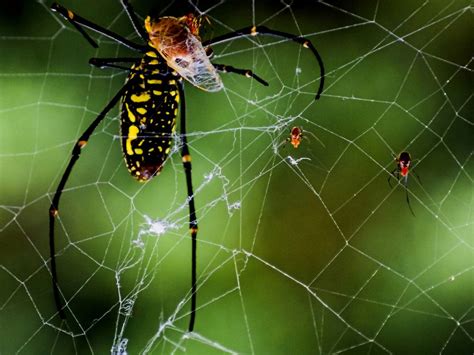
column 304, row 251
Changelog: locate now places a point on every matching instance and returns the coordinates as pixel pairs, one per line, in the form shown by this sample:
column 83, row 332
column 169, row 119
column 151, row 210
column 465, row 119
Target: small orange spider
column 296, row 134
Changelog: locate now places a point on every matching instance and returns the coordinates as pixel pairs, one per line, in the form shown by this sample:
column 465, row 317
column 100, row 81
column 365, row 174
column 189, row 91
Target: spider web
column 302, row 250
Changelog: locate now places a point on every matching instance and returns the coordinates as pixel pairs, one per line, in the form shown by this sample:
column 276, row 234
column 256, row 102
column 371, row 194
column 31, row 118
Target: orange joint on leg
column 70, row 14
column 253, row 31
column 193, row 230
column 186, row 158
column 53, row 212
column 81, row 144
column 248, row 74
column 306, row 44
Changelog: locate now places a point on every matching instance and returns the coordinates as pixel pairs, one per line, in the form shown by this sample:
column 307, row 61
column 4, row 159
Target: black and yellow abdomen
column 148, row 117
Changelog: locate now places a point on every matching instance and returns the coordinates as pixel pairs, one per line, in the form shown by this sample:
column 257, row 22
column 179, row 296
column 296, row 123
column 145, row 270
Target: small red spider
column 296, row 134
column 403, row 168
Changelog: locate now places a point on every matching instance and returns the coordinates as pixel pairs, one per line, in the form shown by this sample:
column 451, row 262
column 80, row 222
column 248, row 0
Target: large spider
column 150, row 98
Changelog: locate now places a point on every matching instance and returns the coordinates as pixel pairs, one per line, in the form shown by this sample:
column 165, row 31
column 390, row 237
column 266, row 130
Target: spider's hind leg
column 193, row 222
column 417, row 177
column 54, row 208
column 408, row 199
column 394, row 175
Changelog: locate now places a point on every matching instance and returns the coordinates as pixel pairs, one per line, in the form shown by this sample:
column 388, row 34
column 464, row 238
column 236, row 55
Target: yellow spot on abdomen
column 157, row 92
column 140, row 98
column 131, row 116
column 141, row 110
column 155, row 81
column 132, row 134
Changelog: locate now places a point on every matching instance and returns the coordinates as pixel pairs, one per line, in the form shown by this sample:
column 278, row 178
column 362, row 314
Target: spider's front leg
column 263, row 30
column 246, row 72
column 80, row 23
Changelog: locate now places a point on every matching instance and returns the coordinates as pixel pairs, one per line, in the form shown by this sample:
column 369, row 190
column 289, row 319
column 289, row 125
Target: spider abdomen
column 148, row 116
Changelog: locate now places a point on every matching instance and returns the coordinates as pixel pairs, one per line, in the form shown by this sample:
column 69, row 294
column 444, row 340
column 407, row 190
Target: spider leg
column 417, row 177
column 134, row 20
column 102, row 63
column 54, row 208
column 79, row 22
column 392, row 174
column 248, row 73
column 256, row 30
column 303, row 135
column 408, row 202
column 193, row 224
column 110, row 62
column 405, row 184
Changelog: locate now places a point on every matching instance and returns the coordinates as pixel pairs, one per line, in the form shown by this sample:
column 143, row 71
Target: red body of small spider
column 403, row 167
column 296, row 135
column 404, row 161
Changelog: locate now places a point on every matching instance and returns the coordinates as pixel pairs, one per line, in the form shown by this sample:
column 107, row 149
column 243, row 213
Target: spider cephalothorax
column 177, row 40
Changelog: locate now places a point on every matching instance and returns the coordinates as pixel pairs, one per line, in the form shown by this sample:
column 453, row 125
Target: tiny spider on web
column 297, row 134
column 401, row 171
